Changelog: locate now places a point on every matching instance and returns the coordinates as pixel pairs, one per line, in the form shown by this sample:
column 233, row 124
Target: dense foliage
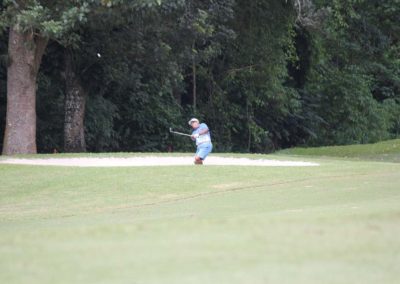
column 260, row 78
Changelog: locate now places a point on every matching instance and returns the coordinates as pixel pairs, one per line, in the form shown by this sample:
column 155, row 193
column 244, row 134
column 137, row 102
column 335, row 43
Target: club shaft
column 180, row 133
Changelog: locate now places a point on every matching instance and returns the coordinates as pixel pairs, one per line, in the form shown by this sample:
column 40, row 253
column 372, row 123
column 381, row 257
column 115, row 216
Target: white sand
column 154, row 161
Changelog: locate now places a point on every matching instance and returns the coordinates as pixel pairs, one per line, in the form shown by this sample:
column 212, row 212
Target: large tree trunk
column 75, row 101
column 25, row 51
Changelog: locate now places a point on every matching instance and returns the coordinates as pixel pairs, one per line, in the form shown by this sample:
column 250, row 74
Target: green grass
column 388, row 151
column 336, row 223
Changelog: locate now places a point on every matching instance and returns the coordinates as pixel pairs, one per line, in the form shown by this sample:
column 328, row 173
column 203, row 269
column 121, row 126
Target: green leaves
column 53, row 20
column 52, row 28
column 32, row 16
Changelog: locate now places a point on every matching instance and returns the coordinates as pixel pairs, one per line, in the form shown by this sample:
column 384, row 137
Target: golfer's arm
column 203, row 132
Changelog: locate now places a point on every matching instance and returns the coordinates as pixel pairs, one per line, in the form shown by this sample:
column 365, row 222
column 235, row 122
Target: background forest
column 263, row 74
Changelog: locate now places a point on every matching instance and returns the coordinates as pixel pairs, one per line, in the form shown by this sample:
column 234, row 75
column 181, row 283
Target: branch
column 15, row 4
column 241, row 68
column 21, row 5
column 41, row 44
column 307, row 14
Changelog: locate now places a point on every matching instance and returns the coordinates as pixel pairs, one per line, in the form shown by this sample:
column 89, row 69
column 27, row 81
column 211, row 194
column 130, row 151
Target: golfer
column 201, row 134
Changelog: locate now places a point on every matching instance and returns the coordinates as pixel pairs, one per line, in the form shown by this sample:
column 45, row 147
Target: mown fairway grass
column 388, row 151
column 336, row 223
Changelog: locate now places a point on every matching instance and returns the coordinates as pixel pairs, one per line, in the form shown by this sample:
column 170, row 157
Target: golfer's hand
column 194, row 136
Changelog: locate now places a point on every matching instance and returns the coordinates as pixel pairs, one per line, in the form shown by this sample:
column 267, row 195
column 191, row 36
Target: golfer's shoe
column 198, row 162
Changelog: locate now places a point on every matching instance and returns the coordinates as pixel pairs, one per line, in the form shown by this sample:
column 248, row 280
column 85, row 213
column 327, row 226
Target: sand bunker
column 154, row 161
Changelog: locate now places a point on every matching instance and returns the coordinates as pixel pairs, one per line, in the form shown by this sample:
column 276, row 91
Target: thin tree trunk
column 75, row 101
column 194, row 86
column 177, row 95
column 248, row 126
column 25, row 51
column 194, row 80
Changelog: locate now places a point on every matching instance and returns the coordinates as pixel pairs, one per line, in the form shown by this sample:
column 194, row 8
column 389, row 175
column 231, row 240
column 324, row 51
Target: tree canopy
column 264, row 75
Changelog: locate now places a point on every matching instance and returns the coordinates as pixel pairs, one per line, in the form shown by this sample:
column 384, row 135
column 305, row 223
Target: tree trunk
column 75, row 101
column 177, row 95
column 194, row 90
column 248, row 126
column 194, row 79
column 25, row 51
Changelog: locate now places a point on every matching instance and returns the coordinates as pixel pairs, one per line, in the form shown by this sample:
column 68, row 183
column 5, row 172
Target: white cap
column 193, row 120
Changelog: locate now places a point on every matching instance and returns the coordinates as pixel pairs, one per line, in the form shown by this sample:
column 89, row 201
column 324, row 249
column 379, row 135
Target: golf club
column 179, row 133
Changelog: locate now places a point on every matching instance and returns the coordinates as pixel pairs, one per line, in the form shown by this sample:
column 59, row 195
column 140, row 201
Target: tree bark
column 25, row 51
column 194, row 78
column 75, row 102
column 177, row 95
column 194, row 90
